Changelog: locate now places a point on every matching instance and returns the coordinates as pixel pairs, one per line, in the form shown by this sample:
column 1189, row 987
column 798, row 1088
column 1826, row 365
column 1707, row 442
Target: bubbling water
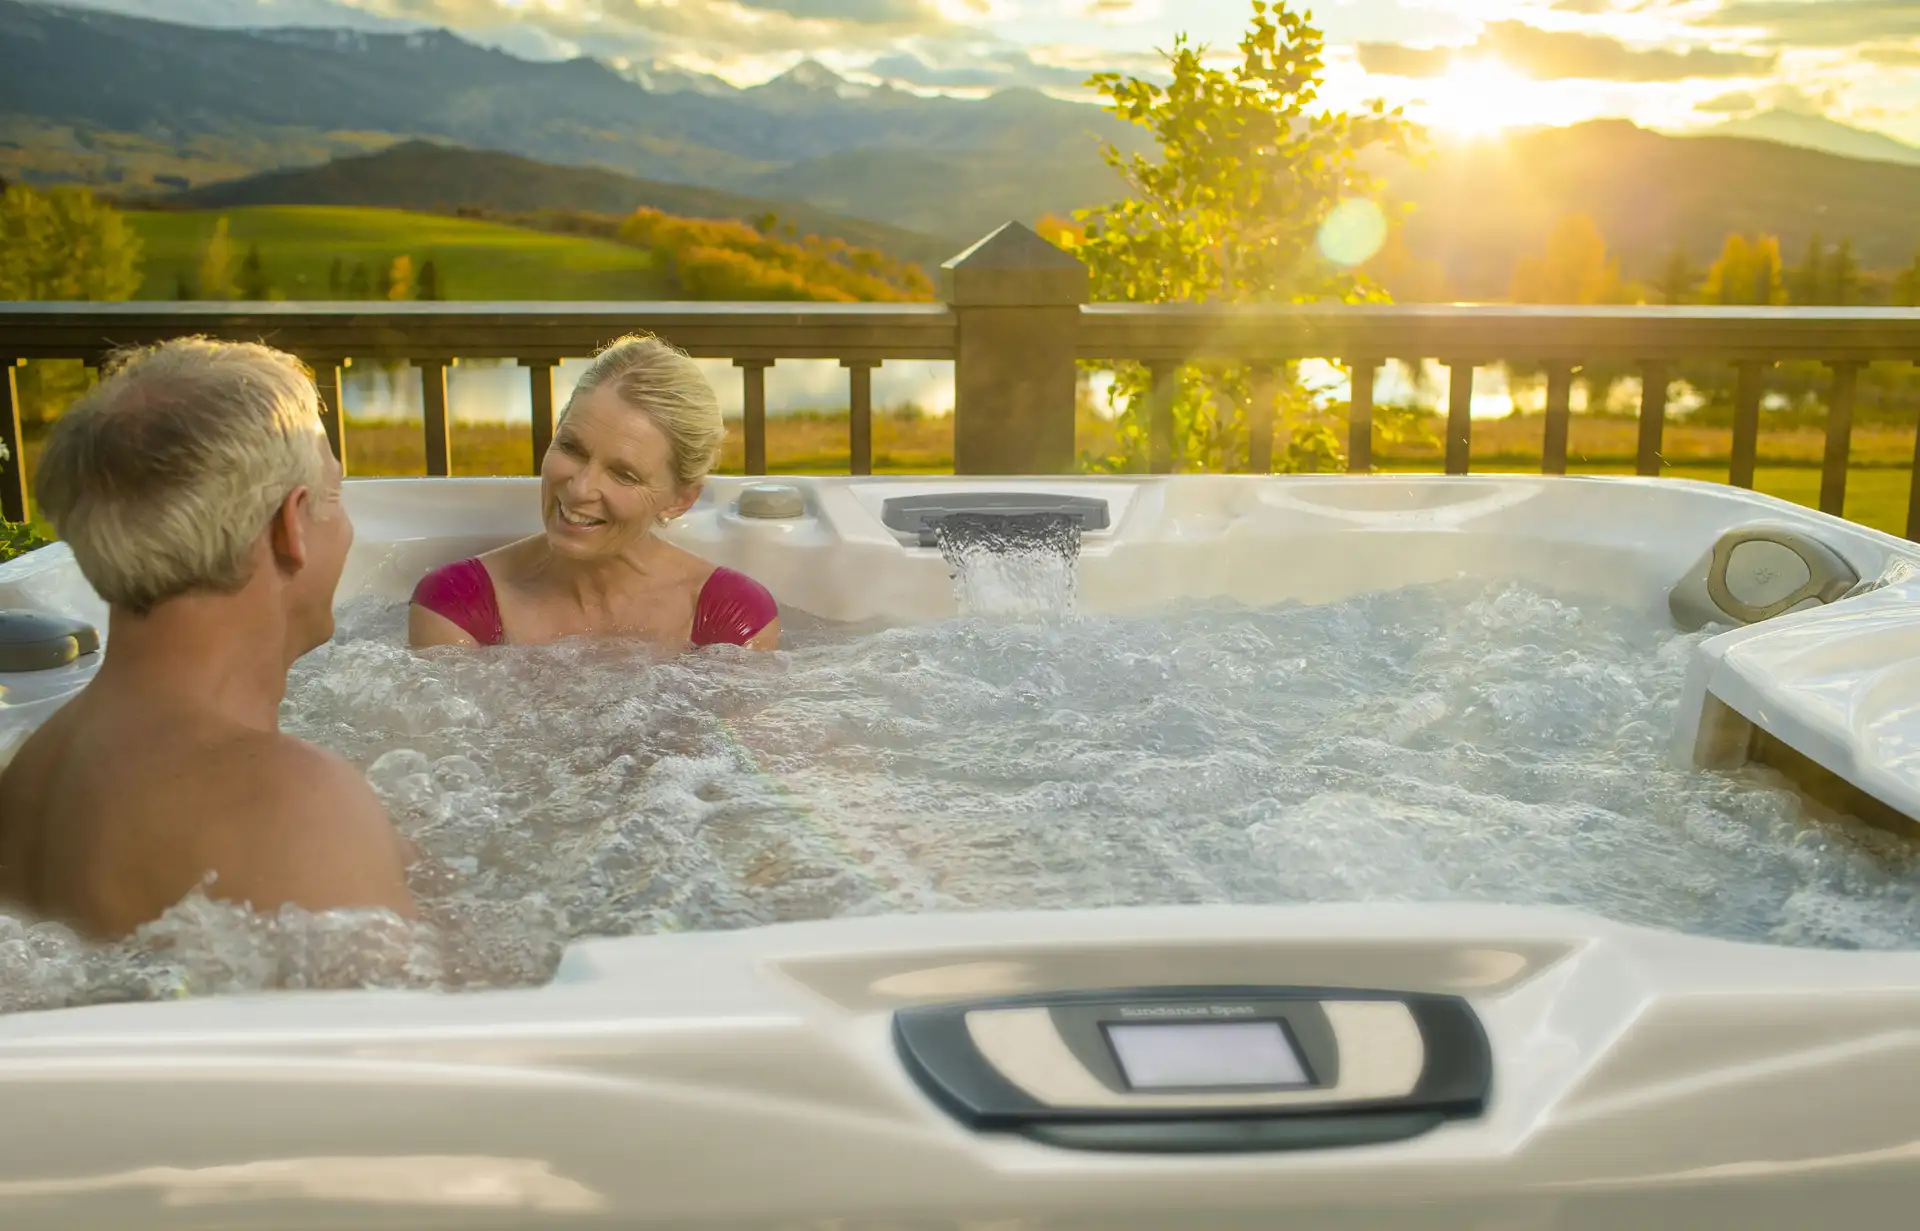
column 1464, row 741
column 1016, row 566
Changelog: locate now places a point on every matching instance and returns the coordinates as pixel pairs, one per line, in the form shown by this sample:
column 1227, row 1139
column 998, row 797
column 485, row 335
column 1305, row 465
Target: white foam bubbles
column 1454, row 742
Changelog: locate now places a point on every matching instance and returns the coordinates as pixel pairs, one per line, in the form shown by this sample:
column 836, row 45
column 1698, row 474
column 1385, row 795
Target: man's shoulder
column 288, row 773
column 302, row 826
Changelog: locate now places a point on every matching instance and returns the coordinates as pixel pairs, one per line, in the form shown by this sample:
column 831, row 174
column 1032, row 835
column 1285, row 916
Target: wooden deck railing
column 1014, row 323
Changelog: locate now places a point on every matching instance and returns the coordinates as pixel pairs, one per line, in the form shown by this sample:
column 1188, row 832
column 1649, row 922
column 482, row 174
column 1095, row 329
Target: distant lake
column 496, row 390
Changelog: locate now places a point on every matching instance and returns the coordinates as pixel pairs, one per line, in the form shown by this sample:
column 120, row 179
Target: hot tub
column 1180, row 1063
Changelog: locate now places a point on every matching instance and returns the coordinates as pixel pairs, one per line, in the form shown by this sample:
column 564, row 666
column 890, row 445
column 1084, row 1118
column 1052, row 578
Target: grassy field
column 1877, row 482
column 474, row 260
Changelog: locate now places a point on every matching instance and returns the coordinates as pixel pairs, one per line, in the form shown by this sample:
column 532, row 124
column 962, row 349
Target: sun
column 1476, row 98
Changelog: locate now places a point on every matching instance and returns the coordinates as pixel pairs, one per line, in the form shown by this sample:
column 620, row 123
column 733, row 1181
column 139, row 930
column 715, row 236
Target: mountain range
column 1817, row 132
column 220, row 117
column 110, row 76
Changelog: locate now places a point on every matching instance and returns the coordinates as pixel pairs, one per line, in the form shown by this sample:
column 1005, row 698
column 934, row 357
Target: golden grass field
column 1789, row 460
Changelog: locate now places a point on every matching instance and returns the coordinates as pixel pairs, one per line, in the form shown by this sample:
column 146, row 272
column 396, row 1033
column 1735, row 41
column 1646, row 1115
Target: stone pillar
column 1016, row 303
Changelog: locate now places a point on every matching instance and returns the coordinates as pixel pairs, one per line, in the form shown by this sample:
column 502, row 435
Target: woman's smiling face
column 607, row 478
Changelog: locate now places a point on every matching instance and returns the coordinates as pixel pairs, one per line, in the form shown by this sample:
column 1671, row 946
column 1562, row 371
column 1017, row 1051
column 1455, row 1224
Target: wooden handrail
column 521, row 330
column 1014, row 324
column 1279, row 332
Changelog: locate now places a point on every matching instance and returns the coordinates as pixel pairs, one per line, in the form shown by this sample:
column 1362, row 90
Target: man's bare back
column 196, row 489
column 120, row 806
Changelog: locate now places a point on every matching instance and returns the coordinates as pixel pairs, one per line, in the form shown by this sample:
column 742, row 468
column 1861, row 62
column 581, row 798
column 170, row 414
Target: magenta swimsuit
column 731, row 609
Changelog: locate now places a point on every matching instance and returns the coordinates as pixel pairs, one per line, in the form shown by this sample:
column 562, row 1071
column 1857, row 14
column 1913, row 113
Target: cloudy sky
column 1466, row 65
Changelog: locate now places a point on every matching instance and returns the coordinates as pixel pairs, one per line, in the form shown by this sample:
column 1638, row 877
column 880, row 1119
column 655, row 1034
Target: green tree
column 427, row 284
column 216, row 265
column 1843, row 278
column 1807, row 283
column 253, row 283
column 1250, row 167
column 1906, row 285
column 63, row 244
column 1678, row 277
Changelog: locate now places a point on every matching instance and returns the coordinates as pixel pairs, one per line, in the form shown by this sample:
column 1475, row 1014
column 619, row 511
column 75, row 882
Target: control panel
column 1202, row 1068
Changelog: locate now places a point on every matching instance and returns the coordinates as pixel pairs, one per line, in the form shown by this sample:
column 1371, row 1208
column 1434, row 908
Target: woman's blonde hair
column 662, row 382
column 163, row 476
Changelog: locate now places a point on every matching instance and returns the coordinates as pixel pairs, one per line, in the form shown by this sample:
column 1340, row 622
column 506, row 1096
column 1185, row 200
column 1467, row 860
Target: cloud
column 1820, row 23
column 911, row 13
column 1554, row 55
column 612, row 27
column 717, row 30
column 1115, row 12
column 1781, row 97
column 1893, row 57
column 229, row 14
column 1729, row 104
column 949, row 68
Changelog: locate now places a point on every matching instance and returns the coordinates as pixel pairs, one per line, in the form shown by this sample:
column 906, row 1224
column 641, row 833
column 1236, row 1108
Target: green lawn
column 475, row 260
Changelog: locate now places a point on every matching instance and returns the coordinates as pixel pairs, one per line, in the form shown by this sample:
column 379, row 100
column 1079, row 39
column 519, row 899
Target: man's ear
column 288, row 531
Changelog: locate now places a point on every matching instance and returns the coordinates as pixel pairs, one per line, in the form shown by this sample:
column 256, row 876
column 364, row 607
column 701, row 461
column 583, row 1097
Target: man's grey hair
column 162, row 478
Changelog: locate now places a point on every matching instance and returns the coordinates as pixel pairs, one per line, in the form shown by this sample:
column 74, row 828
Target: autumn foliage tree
column 1748, row 272
column 1574, row 268
column 721, row 259
column 1249, row 167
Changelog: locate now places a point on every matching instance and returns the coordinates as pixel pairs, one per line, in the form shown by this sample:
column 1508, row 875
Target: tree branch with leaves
column 1249, row 167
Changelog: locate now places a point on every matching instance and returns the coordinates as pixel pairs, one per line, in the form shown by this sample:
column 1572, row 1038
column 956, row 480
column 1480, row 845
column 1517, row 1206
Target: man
column 196, row 490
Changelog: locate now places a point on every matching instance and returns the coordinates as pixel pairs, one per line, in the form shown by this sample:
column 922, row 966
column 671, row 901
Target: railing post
column 1263, row 388
column 1746, row 423
column 1833, row 467
column 13, row 468
column 1163, row 384
column 1913, row 491
column 326, row 378
column 1459, row 416
column 753, row 409
column 540, row 391
column 1653, row 418
column 860, row 414
column 433, row 414
column 1016, row 304
column 1360, row 415
column 1553, row 445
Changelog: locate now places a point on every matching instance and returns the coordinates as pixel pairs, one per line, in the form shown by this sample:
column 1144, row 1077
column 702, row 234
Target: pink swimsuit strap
column 463, row 593
column 731, row 610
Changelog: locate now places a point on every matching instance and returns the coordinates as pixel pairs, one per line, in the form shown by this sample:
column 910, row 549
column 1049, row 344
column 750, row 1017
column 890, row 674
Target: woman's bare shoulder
column 516, row 560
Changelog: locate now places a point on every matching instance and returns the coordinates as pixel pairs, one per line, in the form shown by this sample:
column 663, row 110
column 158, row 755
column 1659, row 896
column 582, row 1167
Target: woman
column 631, row 451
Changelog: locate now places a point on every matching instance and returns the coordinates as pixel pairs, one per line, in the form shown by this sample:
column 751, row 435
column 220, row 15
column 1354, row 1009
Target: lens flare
column 1352, row 232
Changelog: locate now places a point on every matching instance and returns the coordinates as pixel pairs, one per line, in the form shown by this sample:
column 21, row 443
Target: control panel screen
column 1189, row 1055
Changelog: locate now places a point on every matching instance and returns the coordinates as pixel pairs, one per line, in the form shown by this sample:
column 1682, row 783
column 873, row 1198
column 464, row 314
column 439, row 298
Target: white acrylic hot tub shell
column 747, row 1080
